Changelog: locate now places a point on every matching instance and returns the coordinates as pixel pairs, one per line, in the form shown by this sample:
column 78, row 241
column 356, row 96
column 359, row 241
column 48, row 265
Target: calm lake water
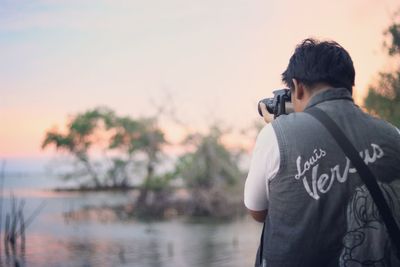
column 67, row 233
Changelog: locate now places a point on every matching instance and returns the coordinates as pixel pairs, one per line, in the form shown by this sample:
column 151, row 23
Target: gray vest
column 320, row 213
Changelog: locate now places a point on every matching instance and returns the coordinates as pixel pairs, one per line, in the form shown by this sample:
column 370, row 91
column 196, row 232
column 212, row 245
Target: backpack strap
column 365, row 173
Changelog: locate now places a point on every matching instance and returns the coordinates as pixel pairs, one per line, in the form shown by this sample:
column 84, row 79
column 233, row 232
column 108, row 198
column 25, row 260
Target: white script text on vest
column 323, row 183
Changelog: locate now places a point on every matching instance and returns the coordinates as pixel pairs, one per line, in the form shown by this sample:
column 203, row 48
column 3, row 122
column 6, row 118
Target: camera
column 279, row 104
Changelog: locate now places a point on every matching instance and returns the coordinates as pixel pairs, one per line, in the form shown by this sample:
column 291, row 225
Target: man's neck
column 317, row 89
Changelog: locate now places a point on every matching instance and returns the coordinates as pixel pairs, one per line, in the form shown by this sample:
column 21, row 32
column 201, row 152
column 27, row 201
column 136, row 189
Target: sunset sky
column 213, row 59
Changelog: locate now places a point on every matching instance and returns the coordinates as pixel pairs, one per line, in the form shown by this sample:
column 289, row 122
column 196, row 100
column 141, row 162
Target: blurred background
column 126, row 127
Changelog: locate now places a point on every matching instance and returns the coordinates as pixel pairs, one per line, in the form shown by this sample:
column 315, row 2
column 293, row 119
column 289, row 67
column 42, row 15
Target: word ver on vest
column 322, row 183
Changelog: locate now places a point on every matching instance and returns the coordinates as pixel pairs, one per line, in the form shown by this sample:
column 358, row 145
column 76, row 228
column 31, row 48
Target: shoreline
column 95, row 189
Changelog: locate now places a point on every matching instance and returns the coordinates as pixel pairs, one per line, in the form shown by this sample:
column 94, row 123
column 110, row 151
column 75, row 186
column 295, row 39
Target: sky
column 209, row 60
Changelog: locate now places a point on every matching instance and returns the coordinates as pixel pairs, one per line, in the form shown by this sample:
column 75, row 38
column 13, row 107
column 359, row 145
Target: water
column 68, row 233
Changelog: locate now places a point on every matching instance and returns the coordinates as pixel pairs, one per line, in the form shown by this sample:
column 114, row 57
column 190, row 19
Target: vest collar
column 330, row 94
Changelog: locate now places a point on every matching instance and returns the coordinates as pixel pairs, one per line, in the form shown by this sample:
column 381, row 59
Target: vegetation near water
column 112, row 152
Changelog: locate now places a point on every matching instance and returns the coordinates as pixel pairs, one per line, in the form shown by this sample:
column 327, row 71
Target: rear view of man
column 316, row 209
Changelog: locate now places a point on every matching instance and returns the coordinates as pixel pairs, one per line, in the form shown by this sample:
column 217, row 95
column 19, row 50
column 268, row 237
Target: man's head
column 316, row 66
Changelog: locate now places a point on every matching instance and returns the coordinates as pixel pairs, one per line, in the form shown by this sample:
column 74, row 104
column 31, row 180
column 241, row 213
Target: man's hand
column 266, row 115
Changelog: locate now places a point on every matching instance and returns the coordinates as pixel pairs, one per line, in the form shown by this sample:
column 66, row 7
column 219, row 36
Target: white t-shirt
column 264, row 166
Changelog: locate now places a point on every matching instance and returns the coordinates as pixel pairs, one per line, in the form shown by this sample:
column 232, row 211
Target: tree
column 384, row 99
column 210, row 164
column 209, row 171
column 127, row 140
column 78, row 140
column 139, row 136
column 126, row 132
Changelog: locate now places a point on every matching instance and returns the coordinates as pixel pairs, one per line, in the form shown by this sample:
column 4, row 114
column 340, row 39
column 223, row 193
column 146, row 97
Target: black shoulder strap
column 365, row 173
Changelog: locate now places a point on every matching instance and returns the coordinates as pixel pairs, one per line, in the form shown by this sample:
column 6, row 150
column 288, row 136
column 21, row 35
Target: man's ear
column 298, row 89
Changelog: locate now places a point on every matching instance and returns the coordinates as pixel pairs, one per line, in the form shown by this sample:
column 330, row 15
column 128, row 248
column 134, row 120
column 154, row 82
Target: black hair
column 320, row 62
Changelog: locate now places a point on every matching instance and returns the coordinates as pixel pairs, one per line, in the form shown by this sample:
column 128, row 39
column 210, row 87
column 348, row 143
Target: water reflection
column 82, row 230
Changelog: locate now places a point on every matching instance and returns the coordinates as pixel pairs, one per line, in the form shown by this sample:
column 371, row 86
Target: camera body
column 279, row 104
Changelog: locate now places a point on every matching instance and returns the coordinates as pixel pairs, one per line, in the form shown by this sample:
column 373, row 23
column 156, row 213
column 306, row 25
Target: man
column 316, row 209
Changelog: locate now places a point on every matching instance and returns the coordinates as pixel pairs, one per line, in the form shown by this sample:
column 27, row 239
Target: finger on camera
column 266, row 115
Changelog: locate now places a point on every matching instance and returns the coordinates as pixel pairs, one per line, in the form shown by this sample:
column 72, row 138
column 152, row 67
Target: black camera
column 279, row 104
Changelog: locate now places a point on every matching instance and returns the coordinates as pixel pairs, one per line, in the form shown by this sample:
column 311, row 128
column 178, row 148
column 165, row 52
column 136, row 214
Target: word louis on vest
column 322, row 183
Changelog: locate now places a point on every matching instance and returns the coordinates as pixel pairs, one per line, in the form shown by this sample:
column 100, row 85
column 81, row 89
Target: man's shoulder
column 382, row 125
column 295, row 120
column 294, row 116
column 266, row 134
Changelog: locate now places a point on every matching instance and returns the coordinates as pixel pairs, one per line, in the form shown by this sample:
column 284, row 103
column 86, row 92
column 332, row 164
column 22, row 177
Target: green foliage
column 127, row 136
column 59, row 140
column 117, row 173
column 393, row 33
column 384, row 99
column 210, row 164
column 127, row 132
column 137, row 135
column 151, row 138
column 210, row 171
column 159, row 183
column 78, row 139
